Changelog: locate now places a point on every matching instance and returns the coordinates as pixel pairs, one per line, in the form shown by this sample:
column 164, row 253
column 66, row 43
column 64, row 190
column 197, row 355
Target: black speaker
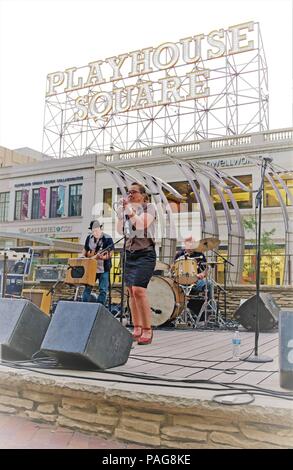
column 286, row 348
column 86, row 335
column 268, row 312
column 22, row 328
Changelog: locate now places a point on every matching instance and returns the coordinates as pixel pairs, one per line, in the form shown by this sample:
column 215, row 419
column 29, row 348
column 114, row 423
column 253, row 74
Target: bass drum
column 166, row 299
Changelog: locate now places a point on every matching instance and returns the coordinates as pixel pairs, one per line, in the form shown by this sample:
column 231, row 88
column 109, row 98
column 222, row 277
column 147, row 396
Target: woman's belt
column 148, row 248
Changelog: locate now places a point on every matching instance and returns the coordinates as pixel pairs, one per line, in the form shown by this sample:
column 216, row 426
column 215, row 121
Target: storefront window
column 270, row 197
column 107, row 202
column 4, row 206
column 271, row 267
column 36, row 204
column 75, row 200
column 54, row 202
column 243, row 198
column 188, row 201
column 18, row 206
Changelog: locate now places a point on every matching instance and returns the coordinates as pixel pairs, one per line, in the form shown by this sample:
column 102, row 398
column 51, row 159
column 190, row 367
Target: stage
column 131, row 404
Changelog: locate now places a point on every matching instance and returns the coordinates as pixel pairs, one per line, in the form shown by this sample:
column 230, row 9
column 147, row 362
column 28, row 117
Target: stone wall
column 150, row 419
column 282, row 295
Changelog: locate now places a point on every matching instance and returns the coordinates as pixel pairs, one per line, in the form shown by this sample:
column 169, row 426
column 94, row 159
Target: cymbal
column 160, row 266
column 206, row 244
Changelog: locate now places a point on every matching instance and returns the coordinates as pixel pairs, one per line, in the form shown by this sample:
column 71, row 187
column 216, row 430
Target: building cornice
column 235, row 146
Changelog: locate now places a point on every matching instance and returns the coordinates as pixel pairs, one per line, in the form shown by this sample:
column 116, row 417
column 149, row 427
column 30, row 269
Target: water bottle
column 236, row 341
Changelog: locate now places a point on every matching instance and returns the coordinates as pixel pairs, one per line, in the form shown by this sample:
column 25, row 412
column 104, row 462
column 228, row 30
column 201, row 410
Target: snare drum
column 166, row 299
column 185, row 271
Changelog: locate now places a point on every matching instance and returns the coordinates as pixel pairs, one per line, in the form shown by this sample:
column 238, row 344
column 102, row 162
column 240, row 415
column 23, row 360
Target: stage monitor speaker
column 40, row 297
column 268, row 313
column 86, row 335
column 22, row 328
column 286, row 348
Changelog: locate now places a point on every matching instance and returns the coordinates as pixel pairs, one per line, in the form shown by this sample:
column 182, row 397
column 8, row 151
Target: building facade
column 21, row 156
column 58, row 198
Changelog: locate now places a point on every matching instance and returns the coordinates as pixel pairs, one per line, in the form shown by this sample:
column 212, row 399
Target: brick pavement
column 21, row 433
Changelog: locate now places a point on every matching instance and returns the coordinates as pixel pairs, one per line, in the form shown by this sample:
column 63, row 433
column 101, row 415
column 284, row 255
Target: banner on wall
column 43, row 198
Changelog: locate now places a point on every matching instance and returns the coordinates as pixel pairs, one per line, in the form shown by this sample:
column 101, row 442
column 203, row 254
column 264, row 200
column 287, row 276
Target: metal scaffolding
column 236, row 104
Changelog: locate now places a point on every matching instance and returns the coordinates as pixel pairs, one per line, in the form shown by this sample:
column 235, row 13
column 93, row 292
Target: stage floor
column 205, row 355
column 182, row 362
column 166, row 395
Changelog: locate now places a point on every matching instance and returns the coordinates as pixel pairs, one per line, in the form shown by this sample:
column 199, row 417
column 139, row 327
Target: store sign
column 151, row 76
column 40, row 183
column 229, row 162
column 47, row 230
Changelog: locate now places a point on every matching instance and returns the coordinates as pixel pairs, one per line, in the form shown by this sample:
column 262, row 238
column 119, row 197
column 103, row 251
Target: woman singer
column 136, row 220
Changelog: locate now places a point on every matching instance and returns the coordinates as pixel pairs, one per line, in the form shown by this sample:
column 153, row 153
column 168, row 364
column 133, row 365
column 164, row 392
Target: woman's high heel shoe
column 145, row 339
column 137, row 332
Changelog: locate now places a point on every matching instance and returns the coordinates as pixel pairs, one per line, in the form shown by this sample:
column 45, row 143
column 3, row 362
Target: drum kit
column 170, row 295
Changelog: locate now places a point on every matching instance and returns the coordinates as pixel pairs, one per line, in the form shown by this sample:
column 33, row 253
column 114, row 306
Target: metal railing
column 266, row 138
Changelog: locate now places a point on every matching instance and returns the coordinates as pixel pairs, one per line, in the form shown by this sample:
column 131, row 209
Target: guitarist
column 94, row 243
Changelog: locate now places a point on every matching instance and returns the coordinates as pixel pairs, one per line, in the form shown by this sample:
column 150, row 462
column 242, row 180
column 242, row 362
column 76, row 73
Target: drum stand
column 186, row 317
column 212, row 316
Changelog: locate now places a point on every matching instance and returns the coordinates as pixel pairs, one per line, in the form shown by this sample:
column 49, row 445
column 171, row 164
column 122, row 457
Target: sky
column 38, row 37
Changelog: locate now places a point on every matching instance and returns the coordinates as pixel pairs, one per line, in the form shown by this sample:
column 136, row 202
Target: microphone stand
column 226, row 261
column 258, row 205
column 122, row 307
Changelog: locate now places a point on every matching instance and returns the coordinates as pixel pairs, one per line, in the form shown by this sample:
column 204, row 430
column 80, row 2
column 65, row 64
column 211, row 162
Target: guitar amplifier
column 81, row 271
column 50, row 273
column 39, row 297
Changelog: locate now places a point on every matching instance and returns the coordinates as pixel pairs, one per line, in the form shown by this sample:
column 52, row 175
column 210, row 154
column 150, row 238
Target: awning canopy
column 54, row 245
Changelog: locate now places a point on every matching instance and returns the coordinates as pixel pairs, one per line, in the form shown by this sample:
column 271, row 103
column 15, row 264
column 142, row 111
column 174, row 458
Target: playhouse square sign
column 153, row 76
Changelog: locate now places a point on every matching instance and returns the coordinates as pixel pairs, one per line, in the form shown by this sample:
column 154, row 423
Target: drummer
column 189, row 251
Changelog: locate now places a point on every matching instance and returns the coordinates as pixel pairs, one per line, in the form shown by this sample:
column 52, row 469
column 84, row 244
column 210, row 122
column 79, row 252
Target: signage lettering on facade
column 164, row 64
column 47, row 229
column 229, row 162
column 39, row 183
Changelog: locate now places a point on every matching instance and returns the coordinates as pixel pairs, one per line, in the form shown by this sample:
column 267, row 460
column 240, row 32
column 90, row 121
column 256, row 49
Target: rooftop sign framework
column 202, row 86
